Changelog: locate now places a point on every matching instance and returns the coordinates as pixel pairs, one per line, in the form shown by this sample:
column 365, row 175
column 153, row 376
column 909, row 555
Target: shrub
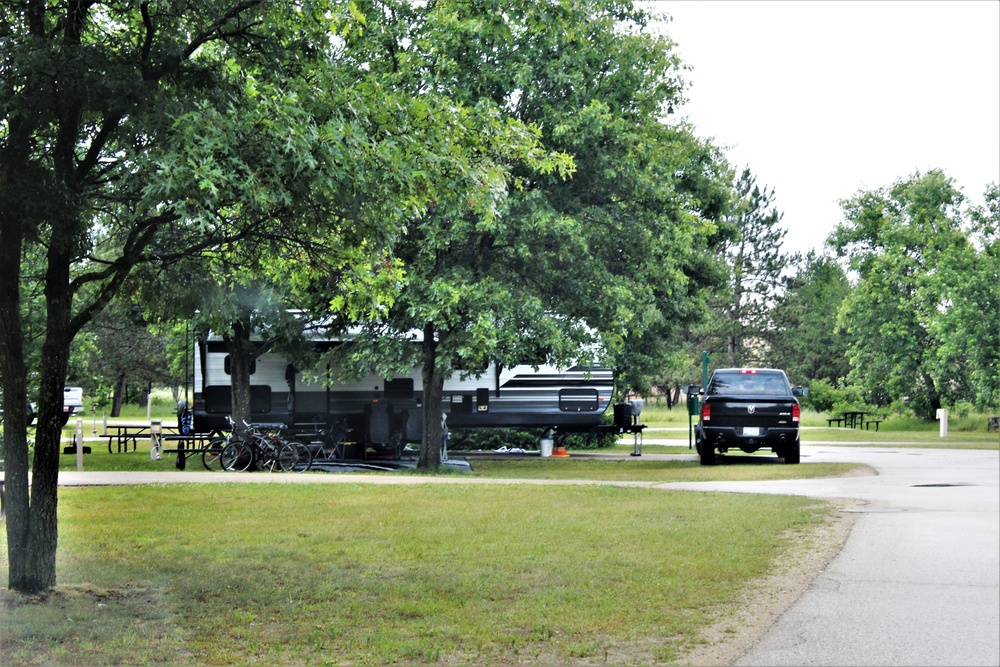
column 823, row 396
column 494, row 438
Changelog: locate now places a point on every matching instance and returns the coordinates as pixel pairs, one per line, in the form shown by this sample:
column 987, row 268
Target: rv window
column 461, row 404
column 229, row 366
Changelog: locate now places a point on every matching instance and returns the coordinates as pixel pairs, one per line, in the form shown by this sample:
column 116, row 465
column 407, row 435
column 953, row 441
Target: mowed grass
column 364, row 574
column 417, row 574
column 580, row 465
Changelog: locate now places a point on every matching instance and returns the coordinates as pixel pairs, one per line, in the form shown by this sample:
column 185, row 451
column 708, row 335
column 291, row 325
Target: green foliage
column 740, row 324
column 823, row 396
column 587, row 222
column 527, row 439
column 924, row 298
column 854, row 397
column 140, row 137
column 805, row 341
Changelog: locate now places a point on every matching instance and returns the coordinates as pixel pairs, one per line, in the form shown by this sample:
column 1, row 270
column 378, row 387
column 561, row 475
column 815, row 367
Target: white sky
column 821, row 99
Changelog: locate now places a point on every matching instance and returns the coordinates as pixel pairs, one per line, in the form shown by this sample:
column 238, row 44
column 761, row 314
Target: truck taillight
column 706, row 412
column 796, row 412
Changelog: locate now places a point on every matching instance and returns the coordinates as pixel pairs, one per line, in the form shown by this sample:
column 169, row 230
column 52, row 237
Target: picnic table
column 878, row 420
column 185, row 445
column 123, row 434
column 854, row 418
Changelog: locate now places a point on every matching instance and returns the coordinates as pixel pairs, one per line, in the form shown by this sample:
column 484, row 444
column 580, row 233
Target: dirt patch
column 87, row 624
column 768, row 598
column 62, row 594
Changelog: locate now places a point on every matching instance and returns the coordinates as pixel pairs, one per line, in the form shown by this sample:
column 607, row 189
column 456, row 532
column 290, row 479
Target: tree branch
column 213, row 31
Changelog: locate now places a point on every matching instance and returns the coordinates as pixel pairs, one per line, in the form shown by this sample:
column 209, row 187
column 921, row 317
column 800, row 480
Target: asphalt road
column 917, row 582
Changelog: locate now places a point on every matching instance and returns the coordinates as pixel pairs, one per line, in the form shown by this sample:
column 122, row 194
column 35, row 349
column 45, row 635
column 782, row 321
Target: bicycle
column 259, row 447
column 212, row 451
column 275, row 438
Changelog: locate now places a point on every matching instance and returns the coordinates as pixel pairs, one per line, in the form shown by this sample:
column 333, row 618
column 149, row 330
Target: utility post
column 79, row 443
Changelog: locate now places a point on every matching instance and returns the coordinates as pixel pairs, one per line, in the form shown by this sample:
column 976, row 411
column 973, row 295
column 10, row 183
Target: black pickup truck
column 748, row 409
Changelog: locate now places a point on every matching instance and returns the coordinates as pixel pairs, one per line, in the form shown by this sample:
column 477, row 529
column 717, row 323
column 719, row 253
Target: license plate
column 751, row 430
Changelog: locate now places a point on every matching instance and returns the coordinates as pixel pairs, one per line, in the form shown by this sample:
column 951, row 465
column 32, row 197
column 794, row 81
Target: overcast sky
column 821, row 99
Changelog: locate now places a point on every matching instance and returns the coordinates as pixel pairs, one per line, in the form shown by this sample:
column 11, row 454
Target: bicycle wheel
column 286, row 457
column 236, row 456
column 304, row 455
column 210, row 453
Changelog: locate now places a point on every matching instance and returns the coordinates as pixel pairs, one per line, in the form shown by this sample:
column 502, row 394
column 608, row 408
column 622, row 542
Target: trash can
column 545, row 445
column 694, row 399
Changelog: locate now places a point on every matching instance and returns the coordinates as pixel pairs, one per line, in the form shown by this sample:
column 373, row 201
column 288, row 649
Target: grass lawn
column 359, row 574
column 370, row 575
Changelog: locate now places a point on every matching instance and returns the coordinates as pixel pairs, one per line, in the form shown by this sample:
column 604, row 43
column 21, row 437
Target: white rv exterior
column 384, row 412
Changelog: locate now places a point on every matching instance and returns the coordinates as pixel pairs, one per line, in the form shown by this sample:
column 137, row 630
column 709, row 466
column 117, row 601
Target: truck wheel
column 706, row 453
column 791, row 453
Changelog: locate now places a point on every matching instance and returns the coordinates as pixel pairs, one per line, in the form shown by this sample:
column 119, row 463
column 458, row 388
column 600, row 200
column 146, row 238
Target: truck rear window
column 736, row 383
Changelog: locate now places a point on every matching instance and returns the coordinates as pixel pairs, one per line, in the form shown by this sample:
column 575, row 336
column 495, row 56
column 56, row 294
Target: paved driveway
column 918, row 580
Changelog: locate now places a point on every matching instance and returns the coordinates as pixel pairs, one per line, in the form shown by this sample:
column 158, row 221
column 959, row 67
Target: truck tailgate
column 751, row 413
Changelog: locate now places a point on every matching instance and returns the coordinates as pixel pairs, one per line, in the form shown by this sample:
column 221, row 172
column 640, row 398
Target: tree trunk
column 32, row 529
column 241, row 357
column 13, row 374
column 933, row 396
column 433, row 392
column 118, row 396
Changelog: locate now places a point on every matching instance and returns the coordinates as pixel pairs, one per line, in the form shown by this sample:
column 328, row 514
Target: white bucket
column 546, row 446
